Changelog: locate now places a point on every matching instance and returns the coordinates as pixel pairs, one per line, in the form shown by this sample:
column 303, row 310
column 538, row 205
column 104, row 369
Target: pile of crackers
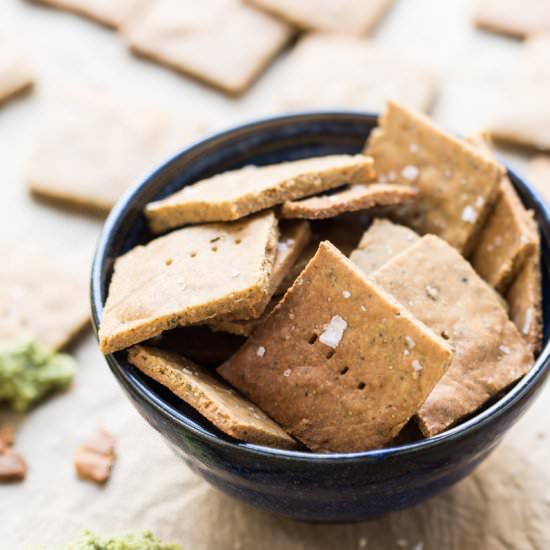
column 267, row 306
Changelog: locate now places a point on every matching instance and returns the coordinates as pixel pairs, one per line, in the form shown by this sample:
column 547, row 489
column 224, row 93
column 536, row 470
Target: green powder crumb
column 28, row 372
column 131, row 541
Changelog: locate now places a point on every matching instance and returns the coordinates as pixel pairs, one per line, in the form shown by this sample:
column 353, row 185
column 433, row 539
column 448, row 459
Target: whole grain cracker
column 212, row 398
column 336, row 71
column 443, row 291
column 95, row 458
column 457, row 185
column 339, row 16
column 71, row 167
column 40, row 300
column 525, row 298
column 382, row 241
column 329, row 365
column 221, row 42
column 186, row 277
column 350, row 199
column 232, row 195
column 16, row 72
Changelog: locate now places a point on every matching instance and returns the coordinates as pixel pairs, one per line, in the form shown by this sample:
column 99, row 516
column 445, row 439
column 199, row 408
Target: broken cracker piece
column 95, row 458
column 328, row 364
column 187, row 277
column 457, row 185
column 16, row 73
column 12, row 465
column 350, row 199
column 443, row 291
column 7, row 435
column 382, row 241
column 235, row 194
column 212, row 398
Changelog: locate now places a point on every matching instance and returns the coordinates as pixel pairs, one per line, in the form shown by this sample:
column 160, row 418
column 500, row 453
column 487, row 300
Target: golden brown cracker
column 186, row 277
column 16, row 72
column 13, row 466
column 212, row 398
column 457, row 185
column 232, row 195
column 332, row 363
column 443, row 291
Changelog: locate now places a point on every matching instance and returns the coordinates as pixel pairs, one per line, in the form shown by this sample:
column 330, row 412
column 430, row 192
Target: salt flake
column 417, row 365
column 410, row 342
column 469, row 215
column 410, row 172
column 287, row 372
column 334, row 331
column 505, row 349
column 346, row 294
column 260, row 352
column 527, row 322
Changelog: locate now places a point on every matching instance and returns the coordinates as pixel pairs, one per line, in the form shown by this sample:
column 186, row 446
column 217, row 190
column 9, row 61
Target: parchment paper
column 504, row 505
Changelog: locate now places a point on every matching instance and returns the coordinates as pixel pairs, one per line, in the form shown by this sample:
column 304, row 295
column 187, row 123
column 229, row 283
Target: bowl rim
column 134, row 385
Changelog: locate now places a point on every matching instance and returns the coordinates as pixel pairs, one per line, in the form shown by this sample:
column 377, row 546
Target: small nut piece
column 95, row 457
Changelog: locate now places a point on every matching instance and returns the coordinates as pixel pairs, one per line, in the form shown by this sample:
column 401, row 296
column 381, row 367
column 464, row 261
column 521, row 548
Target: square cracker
column 330, row 71
column 525, row 298
column 338, row 16
column 518, row 18
column 237, row 193
column 71, row 167
column 16, row 73
column 216, row 401
column 382, row 241
column 457, row 184
column 41, row 301
column 221, row 42
column 443, row 291
column 350, row 199
column 186, row 277
column 506, row 240
column 111, row 13
column 329, row 365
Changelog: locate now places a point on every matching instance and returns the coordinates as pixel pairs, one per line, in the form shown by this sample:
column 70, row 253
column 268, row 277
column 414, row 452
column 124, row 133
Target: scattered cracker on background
column 186, row 277
column 506, row 240
column 95, row 458
column 518, row 18
column 333, row 371
column 457, row 185
column 538, row 173
column 325, row 71
column 12, row 465
column 16, row 73
column 338, row 16
column 525, row 298
column 40, row 300
column 350, row 199
column 443, row 291
column 221, row 42
column 232, row 195
column 382, row 241
column 212, row 398
column 111, row 13
column 72, row 167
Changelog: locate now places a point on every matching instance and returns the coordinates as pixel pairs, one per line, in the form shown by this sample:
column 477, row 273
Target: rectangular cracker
column 442, row 290
column 186, row 277
column 457, row 185
column 329, row 365
column 382, row 241
column 221, row 42
column 525, row 298
column 506, row 240
column 111, row 13
column 16, row 72
column 350, row 199
column 69, row 166
column 338, row 16
column 232, row 195
column 40, row 300
column 337, row 71
column 216, row 401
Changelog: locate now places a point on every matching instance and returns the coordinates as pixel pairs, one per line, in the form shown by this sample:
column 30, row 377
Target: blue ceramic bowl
column 307, row 486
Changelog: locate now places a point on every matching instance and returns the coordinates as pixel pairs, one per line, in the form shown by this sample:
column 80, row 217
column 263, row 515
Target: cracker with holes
column 525, row 298
column 382, row 241
column 443, row 291
column 333, row 364
column 457, row 185
column 188, row 276
column 350, row 199
column 221, row 42
column 211, row 397
column 16, row 73
column 232, row 195
column 41, row 301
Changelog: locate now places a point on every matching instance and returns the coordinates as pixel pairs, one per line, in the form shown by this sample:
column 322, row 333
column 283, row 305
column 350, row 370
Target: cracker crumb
column 260, row 352
column 469, row 214
column 410, row 172
column 333, row 332
column 527, row 321
column 346, row 294
column 287, row 372
column 504, row 349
